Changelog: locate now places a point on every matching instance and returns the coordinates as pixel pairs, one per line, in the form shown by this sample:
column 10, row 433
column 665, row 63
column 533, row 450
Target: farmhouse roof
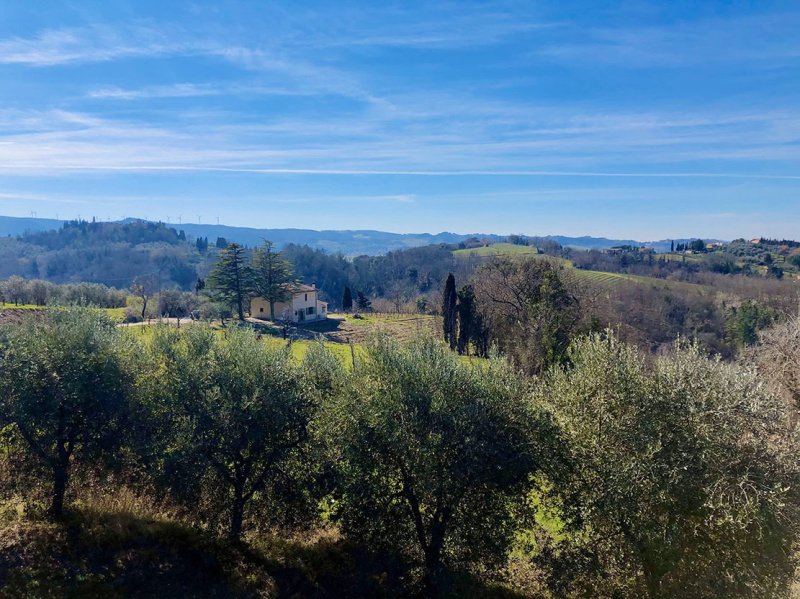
column 299, row 287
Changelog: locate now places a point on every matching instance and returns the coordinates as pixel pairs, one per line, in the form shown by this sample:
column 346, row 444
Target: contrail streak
column 389, row 172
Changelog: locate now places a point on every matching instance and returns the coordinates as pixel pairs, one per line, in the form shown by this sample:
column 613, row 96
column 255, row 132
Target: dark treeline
column 409, row 273
column 586, row 481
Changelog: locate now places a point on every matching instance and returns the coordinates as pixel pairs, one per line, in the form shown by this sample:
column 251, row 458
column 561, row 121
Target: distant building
column 303, row 306
column 627, row 249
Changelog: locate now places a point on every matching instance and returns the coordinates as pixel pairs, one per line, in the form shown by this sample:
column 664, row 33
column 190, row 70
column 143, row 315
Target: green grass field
column 497, row 249
column 116, row 314
column 608, row 280
column 298, row 347
column 6, row 306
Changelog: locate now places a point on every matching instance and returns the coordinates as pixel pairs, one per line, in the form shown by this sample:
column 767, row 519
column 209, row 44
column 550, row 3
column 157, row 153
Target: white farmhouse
column 303, row 306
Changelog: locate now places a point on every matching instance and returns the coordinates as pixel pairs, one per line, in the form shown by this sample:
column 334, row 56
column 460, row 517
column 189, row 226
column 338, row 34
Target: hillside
column 497, row 249
column 108, row 253
column 348, row 242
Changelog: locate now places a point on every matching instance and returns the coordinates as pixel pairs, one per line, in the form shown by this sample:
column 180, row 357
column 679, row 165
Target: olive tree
column 240, row 411
column 684, row 480
column 66, row 384
column 432, row 454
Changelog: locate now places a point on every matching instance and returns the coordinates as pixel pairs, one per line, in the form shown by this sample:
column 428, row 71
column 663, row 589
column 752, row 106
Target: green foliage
column 347, row 300
column 432, row 454
column 613, row 474
column 232, row 278
column 19, row 291
column 176, row 304
column 746, row 321
column 530, row 309
column 66, row 384
column 108, row 253
column 468, row 319
column 362, row 301
column 239, row 413
column 684, row 478
column 697, row 245
column 449, row 312
column 271, row 273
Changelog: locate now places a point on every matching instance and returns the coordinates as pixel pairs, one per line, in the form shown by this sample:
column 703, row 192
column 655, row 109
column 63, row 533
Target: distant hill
column 348, row 242
column 599, row 243
column 109, row 253
column 12, row 225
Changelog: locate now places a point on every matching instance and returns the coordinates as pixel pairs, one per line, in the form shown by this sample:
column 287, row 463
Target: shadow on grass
column 93, row 554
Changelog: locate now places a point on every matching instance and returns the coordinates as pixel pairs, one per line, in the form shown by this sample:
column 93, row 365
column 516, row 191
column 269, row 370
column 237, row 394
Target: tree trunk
column 60, row 481
column 237, row 515
column 272, row 310
column 432, row 583
column 239, row 305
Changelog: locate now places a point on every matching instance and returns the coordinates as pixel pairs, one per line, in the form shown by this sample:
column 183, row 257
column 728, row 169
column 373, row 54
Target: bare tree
column 144, row 287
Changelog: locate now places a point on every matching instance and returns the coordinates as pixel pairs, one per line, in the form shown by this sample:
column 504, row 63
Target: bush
column 432, row 455
column 684, row 478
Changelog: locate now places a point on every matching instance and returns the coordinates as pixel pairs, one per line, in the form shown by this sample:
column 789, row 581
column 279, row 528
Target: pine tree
column 271, row 275
column 449, row 311
column 347, row 300
column 232, row 277
column 672, row 246
column 362, row 301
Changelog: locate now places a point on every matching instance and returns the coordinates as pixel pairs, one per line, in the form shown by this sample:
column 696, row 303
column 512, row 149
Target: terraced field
column 612, row 280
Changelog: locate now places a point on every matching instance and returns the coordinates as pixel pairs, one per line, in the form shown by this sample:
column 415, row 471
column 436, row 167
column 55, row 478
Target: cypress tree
column 347, row 300
column 449, row 311
column 466, row 318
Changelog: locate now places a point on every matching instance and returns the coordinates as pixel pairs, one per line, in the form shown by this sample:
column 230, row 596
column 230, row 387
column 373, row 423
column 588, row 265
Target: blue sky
column 637, row 119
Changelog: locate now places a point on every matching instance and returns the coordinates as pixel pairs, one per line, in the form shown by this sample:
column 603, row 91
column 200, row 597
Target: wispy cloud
column 96, row 43
column 561, row 144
